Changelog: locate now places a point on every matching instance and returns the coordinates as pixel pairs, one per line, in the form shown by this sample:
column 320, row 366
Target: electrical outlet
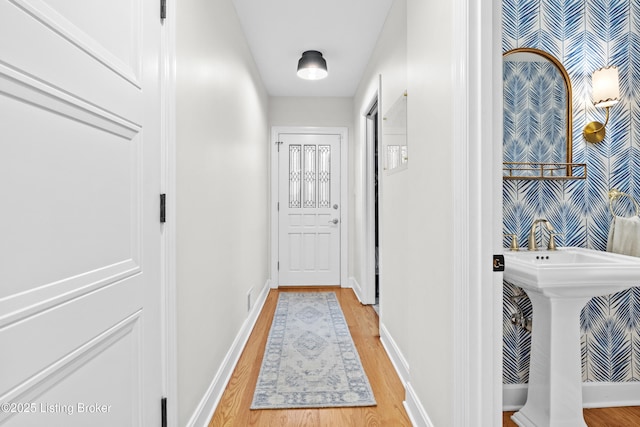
column 249, row 299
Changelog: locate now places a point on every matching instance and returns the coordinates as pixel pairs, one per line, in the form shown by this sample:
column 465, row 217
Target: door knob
column 334, row 221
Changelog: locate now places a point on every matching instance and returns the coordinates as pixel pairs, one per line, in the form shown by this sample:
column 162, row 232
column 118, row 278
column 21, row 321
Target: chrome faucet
column 532, row 245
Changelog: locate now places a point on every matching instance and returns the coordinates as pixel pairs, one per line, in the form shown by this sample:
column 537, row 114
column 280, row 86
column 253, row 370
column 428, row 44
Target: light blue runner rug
column 310, row 360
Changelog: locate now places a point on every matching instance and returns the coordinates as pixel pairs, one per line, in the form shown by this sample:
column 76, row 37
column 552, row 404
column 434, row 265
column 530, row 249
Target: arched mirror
column 537, row 138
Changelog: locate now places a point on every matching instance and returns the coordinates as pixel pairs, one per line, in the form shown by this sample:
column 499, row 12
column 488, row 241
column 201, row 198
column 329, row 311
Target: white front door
column 79, row 230
column 309, row 219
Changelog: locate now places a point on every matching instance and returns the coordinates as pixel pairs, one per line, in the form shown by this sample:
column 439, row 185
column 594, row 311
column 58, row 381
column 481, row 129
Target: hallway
column 141, row 237
column 233, row 409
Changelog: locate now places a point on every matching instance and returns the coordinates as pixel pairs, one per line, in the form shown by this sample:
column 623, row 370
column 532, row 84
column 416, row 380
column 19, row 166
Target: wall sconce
column 312, row 66
column 606, row 92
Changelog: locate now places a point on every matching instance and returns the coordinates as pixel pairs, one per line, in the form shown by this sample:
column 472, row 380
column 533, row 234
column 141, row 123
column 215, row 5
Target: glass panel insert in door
column 324, row 176
column 295, row 174
column 310, row 176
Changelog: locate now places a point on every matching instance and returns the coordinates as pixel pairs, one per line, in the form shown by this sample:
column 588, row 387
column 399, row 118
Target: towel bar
column 616, row 194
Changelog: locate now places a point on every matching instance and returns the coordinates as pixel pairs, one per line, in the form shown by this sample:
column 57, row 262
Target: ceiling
column 345, row 31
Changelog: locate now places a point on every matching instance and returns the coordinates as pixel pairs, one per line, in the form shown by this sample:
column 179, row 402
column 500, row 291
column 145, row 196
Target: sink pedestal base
column 555, row 373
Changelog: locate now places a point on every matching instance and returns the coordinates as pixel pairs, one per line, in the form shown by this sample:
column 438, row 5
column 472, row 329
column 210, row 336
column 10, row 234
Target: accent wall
column 584, row 35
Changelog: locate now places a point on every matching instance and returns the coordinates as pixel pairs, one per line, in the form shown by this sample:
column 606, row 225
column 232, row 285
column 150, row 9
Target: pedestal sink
column 559, row 283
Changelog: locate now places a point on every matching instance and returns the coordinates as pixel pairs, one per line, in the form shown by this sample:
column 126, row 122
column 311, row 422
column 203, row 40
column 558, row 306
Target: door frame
column 477, row 213
column 344, row 200
column 168, row 173
column 367, row 294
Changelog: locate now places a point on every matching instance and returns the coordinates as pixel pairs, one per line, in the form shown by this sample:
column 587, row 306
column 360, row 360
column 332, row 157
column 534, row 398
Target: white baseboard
column 396, row 356
column 357, row 289
column 414, row 408
column 513, row 396
column 205, row 409
column 594, row 395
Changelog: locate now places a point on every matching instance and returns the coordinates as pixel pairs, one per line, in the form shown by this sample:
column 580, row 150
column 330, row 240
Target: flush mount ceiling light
column 606, row 93
column 312, row 66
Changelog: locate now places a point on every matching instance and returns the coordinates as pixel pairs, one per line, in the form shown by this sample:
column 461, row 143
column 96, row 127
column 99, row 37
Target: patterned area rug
column 310, row 360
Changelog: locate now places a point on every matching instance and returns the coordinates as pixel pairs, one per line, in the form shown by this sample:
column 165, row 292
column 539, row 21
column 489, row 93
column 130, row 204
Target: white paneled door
column 79, row 230
column 309, row 209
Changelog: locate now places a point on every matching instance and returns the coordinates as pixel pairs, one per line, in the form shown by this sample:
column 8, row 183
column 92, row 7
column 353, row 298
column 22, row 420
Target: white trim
column 415, row 410
column 464, row 389
column 513, row 396
column 594, row 395
column 207, row 406
column 357, row 289
column 368, row 255
column 477, row 312
column 344, row 206
column 395, row 355
column 476, row 217
column 168, row 239
column 344, row 190
column 417, row 414
column 603, row 395
column 273, row 206
column 489, row 57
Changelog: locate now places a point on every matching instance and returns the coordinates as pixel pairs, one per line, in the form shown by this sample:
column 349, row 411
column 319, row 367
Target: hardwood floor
column 627, row 416
column 233, row 409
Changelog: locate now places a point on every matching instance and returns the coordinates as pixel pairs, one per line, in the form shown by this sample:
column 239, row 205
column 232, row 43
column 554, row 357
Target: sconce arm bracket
column 595, row 132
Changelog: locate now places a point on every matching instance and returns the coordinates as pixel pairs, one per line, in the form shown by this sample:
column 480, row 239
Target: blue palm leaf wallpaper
column 610, row 352
column 531, row 121
column 517, row 341
column 584, row 35
column 521, row 19
column 563, row 18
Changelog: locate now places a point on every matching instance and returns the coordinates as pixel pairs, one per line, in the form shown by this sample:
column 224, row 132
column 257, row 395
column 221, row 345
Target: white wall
column 389, row 60
column 222, row 190
column 416, row 204
column 311, row 111
column 431, row 124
